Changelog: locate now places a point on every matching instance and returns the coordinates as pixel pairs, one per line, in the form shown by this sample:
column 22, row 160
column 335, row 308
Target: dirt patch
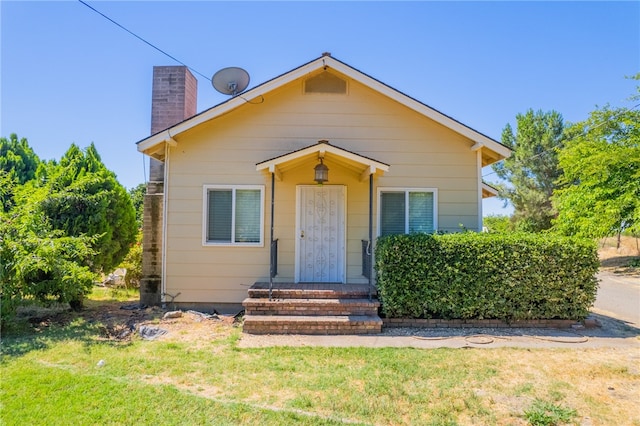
column 195, row 327
column 622, row 259
column 123, row 321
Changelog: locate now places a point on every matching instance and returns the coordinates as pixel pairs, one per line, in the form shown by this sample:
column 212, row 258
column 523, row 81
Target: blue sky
column 69, row 75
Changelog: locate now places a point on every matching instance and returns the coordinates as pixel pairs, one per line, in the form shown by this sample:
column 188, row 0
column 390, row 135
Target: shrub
column 42, row 266
column 133, row 264
column 479, row 276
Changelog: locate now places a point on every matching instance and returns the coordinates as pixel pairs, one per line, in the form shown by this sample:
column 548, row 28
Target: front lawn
column 75, row 371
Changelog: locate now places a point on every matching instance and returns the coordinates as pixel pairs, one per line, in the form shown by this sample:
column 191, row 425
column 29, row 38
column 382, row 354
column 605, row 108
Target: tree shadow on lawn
column 623, row 265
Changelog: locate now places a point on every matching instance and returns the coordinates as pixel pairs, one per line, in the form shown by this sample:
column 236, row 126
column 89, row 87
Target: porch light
column 321, row 173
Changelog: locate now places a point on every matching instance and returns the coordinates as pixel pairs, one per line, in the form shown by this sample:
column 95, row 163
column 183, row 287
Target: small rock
column 592, row 323
column 172, row 314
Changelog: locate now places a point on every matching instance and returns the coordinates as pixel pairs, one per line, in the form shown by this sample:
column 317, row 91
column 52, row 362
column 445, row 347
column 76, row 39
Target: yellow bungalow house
column 287, row 186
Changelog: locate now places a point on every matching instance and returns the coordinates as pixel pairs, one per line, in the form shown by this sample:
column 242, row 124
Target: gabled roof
column 492, row 150
column 489, row 191
column 361, row 164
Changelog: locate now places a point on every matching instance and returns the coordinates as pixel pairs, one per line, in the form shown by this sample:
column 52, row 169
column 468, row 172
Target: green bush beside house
column 486, row 276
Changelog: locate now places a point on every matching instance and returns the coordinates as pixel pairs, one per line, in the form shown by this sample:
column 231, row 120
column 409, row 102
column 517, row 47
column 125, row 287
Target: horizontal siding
column 421, row 153
column 212, row 294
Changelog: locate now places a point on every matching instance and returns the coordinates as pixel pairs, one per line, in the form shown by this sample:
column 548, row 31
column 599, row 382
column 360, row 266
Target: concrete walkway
column 611, row 333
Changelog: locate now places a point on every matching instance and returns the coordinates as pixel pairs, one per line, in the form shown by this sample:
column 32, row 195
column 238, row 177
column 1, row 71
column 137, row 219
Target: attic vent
column 325, row 83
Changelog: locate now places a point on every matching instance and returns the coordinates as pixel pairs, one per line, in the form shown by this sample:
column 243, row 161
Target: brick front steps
column 311, row 309
column 310, row 291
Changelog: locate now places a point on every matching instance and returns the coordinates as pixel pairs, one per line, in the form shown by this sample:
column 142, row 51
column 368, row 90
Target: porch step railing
column 366, row 258
column 274, row 258
column 273, row 264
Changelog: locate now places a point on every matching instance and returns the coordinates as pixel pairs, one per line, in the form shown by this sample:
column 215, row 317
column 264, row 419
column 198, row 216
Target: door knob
column 301, row 234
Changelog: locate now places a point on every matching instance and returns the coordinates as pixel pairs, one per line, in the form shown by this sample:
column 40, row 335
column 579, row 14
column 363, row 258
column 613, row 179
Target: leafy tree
column 17, row 158
column 532, row 169
column 497, row 223
column 7, row 188
column 133, row 264
column 84, row 198
column 137, row 198
column 600, row 193
column 133, row 260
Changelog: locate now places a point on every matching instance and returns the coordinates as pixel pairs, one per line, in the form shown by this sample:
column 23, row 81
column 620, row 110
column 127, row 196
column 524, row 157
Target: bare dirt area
column 123, row 321
column 620, row 259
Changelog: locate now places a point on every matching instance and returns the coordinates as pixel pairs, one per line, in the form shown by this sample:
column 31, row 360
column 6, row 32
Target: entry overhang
column 366, row 166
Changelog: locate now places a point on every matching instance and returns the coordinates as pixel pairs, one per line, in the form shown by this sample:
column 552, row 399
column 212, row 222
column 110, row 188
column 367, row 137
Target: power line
column 569, row 139
column 143, row 40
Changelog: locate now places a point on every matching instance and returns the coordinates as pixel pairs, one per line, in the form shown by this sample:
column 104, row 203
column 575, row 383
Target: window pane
column 421, row 212
column 247, row 216
column 220, row 208
column 392, row 213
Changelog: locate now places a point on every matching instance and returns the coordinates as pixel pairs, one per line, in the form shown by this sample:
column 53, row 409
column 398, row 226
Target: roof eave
column 148, row 144
column 489, row 191
column 246, row 97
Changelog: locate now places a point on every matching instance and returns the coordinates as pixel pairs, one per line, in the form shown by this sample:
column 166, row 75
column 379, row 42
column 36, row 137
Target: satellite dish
column 230, row 81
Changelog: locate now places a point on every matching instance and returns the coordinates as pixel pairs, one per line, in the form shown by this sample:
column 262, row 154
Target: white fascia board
column 149, row 143
column 491, row 190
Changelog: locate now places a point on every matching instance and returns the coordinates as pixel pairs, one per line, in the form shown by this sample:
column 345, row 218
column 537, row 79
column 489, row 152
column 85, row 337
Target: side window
column 233, row 215
column 406, row 211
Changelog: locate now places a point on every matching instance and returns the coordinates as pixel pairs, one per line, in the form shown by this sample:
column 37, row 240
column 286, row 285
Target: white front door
column 321, row 234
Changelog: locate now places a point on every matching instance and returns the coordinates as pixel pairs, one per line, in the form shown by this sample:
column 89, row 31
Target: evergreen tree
column 18, row 159
column 85, row 198
column 532, row 169
column 18, row 164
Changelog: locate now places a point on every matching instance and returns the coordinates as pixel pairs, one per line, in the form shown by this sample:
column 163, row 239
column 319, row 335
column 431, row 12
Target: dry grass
column 600, row 384
column 619, row 259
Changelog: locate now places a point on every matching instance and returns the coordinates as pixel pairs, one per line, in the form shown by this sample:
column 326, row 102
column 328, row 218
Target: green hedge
column 486, row 276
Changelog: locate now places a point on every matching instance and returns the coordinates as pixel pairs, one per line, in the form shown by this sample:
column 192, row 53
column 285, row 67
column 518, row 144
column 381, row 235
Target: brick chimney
column 174, row 99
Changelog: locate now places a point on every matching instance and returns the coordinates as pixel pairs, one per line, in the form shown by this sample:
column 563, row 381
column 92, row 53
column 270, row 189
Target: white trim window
column 233, row 215
column 407, row 210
